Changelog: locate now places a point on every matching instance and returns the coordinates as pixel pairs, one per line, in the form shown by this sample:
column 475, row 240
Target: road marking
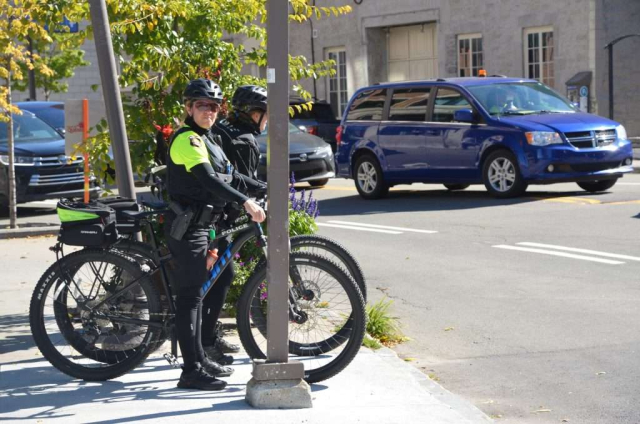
column 587, row 251
column 575, row 200
column 384, row 226
column 349, row 227
column 556, row 253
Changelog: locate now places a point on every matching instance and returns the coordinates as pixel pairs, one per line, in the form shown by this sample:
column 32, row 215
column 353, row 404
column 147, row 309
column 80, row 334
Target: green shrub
column 302, row 214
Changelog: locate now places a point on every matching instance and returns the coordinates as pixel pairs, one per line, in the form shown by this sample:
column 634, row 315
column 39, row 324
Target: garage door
column 412, row 52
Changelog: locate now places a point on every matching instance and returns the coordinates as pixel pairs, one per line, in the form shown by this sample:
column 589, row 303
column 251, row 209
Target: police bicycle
column 99, row 312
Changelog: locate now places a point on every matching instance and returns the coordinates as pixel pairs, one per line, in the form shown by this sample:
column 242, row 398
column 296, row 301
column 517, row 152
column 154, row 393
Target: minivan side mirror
column 464, row 115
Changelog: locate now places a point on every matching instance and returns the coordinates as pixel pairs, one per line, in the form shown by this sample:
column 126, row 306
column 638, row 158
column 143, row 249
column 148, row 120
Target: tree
column 62, row 55
column 22, row 19
column 162, row 45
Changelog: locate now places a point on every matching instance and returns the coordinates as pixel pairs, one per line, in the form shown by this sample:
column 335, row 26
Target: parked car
column 319, row 121
column 505, row 133
column 42, row 169
column 50, row 112
column 310, row 158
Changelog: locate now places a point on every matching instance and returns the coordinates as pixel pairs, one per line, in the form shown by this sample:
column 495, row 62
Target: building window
column 538, row 54
column 470, row 55
column 338, row 96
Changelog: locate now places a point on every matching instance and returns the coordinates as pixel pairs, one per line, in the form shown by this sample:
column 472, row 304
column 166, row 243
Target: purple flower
column 237, row 256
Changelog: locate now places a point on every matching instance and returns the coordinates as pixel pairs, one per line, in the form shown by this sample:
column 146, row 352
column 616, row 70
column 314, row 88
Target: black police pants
column 189, row 275
column 214, row 300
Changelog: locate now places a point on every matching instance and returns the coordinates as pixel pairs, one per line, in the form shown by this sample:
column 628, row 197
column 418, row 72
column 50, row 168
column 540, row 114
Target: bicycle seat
column 137, row 216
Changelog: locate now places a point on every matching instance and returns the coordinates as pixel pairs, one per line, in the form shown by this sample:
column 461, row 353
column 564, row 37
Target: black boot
column 223, row 345
column 215, row 369
column 199, row 379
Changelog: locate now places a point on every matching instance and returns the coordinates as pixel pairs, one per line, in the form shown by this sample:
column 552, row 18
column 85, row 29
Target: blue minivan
column 505, row 133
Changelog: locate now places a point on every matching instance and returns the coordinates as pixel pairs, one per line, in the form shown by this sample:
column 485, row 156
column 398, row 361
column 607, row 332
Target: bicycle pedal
column 171, row 360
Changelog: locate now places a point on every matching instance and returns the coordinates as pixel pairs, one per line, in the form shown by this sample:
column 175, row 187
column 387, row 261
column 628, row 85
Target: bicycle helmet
column 248, row 98
column 203, row 89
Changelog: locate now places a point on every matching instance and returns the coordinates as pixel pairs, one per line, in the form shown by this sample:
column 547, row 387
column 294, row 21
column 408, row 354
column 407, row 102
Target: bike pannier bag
column 124, row 224
column 86, row 224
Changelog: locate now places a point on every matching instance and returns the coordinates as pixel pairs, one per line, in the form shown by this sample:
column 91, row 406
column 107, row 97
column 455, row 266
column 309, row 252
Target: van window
column 409, row 104
column 367, row 106
column 446, row 103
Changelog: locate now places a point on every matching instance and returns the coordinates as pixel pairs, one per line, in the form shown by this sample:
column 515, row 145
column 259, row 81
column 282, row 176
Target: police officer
column 238, row 132
column 199, row 186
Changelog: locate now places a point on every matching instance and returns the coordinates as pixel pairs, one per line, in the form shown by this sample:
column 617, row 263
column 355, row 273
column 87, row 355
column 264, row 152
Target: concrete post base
column 278, row 394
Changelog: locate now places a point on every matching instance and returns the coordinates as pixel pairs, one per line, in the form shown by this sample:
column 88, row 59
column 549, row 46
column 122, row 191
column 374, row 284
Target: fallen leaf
column 601, row 373
column 565, row 420
column 542, row 410
column 409, row 359
column 449, row 328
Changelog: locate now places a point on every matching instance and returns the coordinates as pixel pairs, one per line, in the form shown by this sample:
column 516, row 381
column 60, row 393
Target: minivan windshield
column 28, row 129
column 520, row 98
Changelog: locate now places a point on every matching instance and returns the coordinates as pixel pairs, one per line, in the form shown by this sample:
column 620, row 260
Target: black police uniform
column 241, row 148
column 193, row 186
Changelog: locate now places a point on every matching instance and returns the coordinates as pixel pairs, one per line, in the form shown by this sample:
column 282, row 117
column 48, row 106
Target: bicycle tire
column 349, row 336
column 341, row 256
column 96, row 364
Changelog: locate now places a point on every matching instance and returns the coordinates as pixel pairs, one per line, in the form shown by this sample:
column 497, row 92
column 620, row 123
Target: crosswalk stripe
column 587, row 251
column 384, row 227
column 556, row 253
column 350, row 227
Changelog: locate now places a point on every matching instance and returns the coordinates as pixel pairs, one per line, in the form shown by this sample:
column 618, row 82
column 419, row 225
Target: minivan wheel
column 501, row 175
column 595, row 186
column 369, row 180
column 454, row 187
column 319, row 183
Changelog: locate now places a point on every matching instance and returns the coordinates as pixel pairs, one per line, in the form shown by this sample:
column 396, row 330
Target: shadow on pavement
column 16, row 333
column 432, row 200
column 45, row 390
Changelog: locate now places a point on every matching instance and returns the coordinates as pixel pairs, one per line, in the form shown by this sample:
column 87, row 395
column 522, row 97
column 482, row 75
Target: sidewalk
column 377, row 387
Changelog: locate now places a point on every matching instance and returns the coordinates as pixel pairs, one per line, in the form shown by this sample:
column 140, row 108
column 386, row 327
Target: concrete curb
column 29, row 232
column 463, row 407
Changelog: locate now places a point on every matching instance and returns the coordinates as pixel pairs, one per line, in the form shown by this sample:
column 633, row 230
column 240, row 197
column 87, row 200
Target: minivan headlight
column 543, row 138
column 18, row 160
column 621, row 133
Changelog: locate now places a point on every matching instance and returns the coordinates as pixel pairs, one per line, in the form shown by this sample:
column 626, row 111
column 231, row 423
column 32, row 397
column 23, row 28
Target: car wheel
column 595, row 186
column 319, row 183
column 501, row 175
column 368, row 177
column 454, row 187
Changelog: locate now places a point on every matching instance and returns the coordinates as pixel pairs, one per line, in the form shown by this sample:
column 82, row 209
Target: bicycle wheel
column 334, row 251
column 330, row 324
column 87, row 342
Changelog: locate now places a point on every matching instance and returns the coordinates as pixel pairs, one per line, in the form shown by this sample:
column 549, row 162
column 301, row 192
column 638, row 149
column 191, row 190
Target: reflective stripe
column 67, row 215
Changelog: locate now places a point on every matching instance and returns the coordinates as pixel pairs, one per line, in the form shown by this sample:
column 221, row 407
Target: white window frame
column 470, row 37
column 340, row 75
column 545, row 68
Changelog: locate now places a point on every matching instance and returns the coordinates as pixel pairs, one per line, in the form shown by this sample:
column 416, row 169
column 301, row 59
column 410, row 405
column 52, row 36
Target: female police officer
column 248, row 119
column 199, row 188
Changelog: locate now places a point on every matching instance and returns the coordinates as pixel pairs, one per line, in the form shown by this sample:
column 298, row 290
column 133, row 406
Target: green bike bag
column 86, row 224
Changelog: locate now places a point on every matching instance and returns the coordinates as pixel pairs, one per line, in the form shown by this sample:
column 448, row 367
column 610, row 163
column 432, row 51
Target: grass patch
column 381, row 326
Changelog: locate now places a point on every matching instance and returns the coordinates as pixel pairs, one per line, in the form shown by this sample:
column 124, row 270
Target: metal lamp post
column 610, row 47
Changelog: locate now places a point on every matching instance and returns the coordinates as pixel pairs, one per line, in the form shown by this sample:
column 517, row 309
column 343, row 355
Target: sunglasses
column 204, row 107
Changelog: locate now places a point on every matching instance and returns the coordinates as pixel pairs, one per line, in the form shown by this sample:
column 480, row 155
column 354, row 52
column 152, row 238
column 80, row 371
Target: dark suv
column 319, row 121
column 42, row 169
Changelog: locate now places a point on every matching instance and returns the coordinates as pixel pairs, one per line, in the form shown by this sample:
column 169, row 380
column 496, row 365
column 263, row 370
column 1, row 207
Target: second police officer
column 247, row 120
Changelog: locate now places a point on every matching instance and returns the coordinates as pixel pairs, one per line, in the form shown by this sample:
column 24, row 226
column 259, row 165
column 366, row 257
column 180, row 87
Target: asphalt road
column 526, row 307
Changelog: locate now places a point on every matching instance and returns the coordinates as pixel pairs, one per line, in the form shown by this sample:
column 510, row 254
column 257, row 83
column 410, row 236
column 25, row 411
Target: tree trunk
column 13, row 211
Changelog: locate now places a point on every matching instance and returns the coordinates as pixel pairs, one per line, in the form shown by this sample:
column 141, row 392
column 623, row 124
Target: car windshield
column 520, row 98
column 28, row 129
column 53, row 115
column 292, row 129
